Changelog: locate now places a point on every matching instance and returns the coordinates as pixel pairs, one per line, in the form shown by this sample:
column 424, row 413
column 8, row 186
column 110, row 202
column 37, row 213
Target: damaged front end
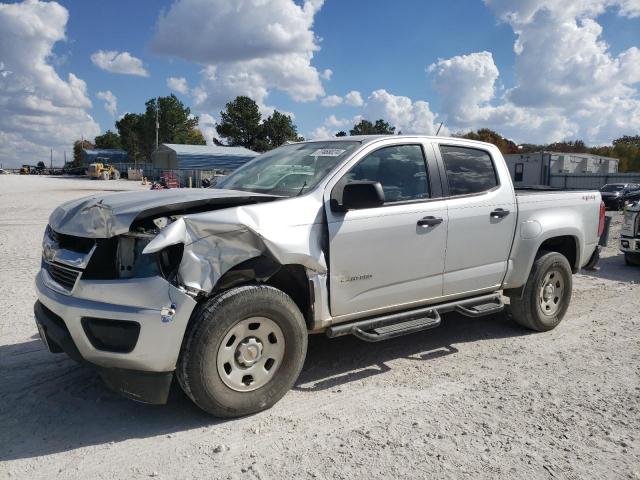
column 105, row 237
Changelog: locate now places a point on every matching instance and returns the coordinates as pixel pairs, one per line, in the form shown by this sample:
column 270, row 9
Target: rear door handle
column 499, row 213
column 429, row 221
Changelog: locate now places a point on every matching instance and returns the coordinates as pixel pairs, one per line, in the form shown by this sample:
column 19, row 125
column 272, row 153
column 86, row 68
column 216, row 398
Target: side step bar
column 394, row 325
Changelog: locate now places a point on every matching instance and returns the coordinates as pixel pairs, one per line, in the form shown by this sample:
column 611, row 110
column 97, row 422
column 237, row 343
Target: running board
column 394, row 325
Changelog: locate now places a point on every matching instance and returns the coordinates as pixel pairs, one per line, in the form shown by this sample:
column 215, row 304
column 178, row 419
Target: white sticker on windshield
column 327, row 152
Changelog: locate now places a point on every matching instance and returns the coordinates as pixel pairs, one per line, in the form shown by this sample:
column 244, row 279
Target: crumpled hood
column 107, row 215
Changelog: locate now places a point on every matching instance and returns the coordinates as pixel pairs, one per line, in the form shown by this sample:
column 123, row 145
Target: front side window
column 400, row 169
column 469, row 170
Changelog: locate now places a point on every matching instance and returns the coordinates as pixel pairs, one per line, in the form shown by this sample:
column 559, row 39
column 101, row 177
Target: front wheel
column 243, row 351
column 546, row 295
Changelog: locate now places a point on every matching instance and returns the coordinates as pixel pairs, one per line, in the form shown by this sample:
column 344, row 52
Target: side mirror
column 358, row 195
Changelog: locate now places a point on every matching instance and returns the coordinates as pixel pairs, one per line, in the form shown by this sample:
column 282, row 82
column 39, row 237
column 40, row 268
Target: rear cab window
column 469, row 170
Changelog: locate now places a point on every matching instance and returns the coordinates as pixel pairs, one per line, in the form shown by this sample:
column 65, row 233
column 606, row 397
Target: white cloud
column 568, row 83
column 207, row 125
column 353, row 99
column 331, row 126
column 331, row 101
column 332, row 121
column 327, row 73
column 321, row 133
column 178, row 84
column 110, row 101
column 118, row 62
column 40, row 110
column 402, row 112
column 273, row 45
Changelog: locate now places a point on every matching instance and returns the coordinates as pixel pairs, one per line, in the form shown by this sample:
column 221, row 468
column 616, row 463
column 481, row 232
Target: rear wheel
column 546, row 295
column 243, row 352
column 632, row 259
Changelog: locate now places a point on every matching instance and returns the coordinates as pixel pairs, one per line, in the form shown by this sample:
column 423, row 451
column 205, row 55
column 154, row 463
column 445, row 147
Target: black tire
column 632, row 259
column 527, row 310
column 198, row 371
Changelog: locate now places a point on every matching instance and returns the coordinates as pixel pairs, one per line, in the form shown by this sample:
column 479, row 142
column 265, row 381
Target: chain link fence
column 182, row 178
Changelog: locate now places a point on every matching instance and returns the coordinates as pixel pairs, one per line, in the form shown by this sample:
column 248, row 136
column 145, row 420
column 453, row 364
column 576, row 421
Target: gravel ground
column 475, row 398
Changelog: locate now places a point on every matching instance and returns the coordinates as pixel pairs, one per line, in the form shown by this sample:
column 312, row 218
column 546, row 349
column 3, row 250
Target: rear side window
column 468, row 170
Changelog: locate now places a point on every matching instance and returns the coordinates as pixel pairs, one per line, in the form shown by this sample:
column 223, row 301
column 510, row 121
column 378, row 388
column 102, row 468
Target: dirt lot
column 475, row 398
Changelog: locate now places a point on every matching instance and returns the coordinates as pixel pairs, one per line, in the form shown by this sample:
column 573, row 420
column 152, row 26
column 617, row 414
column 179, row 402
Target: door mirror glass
column 359, row 194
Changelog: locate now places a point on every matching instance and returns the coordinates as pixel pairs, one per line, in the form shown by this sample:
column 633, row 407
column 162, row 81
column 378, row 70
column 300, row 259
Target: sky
column 537, row 71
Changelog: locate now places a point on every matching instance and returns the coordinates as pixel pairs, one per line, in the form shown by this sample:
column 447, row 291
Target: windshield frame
column 349, row 147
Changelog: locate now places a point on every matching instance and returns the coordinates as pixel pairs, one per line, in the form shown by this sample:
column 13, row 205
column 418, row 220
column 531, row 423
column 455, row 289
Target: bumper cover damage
column 146, row 387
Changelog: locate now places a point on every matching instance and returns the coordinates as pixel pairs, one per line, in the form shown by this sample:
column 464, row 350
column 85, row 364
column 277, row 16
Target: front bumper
column 629, row 245
column 144, row 373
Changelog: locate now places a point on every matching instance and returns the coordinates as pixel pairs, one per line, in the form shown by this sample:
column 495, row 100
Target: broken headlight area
column 122, row 257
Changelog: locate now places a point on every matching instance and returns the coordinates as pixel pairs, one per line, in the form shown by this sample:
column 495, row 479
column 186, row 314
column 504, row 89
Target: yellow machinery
column 25, row 170
column 103, row 171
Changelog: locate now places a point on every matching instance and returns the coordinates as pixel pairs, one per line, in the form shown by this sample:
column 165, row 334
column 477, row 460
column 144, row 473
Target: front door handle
column 429, row 222
column 499, row 213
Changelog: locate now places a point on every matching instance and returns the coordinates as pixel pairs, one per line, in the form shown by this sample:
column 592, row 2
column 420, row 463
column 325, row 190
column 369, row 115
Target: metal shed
column 171, row 156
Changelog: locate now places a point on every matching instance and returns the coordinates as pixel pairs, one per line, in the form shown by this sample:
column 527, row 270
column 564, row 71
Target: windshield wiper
column 302, row 188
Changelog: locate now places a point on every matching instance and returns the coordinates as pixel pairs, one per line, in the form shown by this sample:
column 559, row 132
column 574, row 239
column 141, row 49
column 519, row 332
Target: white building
column 536, row 168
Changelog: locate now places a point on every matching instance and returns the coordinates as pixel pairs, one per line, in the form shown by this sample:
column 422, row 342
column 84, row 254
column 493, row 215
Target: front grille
column 65, row 276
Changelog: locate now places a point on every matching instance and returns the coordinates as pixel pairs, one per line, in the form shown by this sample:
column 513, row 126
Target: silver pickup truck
column 373, row 236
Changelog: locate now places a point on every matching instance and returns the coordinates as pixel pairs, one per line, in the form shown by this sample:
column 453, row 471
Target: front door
column 388, row 256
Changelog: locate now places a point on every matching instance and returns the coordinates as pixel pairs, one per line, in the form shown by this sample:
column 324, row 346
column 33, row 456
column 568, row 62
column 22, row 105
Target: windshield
column 289, row 170
column 612, row 188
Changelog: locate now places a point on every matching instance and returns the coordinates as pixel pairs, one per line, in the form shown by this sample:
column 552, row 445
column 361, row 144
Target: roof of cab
column 364, row 139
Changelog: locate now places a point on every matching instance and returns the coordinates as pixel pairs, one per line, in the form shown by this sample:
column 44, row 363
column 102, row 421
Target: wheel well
column 291, row 279
column 565, row 245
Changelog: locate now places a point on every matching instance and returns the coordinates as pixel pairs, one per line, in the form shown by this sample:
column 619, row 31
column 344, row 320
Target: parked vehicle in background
column 614, row 195
column 373, row 236
column 26, row 170
column 630, row 235
column 103, row 171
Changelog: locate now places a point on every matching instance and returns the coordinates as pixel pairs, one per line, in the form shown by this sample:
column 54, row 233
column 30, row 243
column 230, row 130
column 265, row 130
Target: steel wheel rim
column 551, row 292
column 250, row 354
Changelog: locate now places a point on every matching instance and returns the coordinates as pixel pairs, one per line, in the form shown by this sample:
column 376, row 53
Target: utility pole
column 51, row 160
column 157, row 123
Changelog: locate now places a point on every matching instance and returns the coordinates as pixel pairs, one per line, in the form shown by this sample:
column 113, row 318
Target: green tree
column 341, row 133
column 192, row 137
column 108, row 140
column 365, row 127
column 278, row 129
column 486, row 135
column 176, row 125
column 131, row 135
column 78, row 146
column 240, row 124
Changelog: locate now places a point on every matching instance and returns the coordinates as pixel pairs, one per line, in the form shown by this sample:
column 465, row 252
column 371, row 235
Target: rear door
column 388, row 256
column 482, row 217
